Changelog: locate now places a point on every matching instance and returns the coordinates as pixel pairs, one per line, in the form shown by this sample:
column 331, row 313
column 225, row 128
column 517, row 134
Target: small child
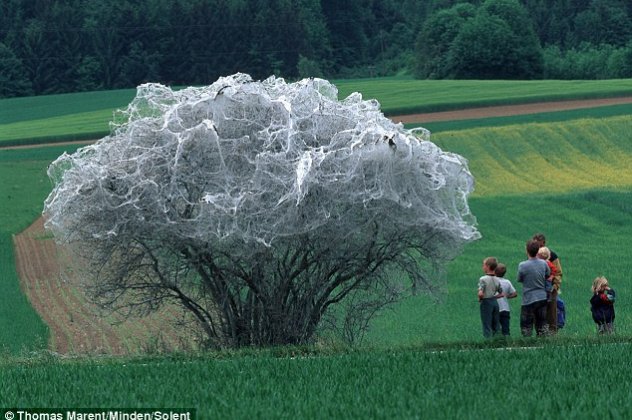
column 489, row 291
column 602, row 305
column 509, row 292
column 545, row 254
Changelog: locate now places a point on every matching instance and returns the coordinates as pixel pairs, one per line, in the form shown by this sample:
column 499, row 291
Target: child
column 509, row 293
column 489, row 291
column 545, row 254
column 602, row 305
column 553, row 286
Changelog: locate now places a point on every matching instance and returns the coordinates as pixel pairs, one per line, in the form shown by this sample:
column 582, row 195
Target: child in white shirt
column 509, row 292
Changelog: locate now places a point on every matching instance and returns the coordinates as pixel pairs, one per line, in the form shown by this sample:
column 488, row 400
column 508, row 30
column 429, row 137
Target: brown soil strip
column 53, row 287
column 508, row 110
column 35, row 146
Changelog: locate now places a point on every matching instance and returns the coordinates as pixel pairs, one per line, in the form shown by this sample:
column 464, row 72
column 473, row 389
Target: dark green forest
column 56, row 46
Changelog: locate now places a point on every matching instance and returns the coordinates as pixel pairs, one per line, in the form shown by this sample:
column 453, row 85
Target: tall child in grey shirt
column 532, row 273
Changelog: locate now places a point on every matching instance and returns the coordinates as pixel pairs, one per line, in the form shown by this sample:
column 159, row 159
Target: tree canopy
column 78, row 45
column 493, row 41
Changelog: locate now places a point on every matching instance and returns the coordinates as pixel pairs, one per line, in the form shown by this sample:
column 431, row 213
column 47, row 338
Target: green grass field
column 81, row 116
column 591, row 231
column 424, row 358
column 526, row 383
column 403, row 96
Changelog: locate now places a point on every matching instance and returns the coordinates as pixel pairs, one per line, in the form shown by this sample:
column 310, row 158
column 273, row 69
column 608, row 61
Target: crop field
column 80, row 116
column 425, row 357
column 522, row 383
column 52, row 281
column 406, row 96
column 513, row 160
column 24, row 185
column 542, row 117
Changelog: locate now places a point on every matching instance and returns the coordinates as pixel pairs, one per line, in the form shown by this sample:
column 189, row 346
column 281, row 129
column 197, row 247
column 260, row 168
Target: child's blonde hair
column 544, row 253
column 599, row 284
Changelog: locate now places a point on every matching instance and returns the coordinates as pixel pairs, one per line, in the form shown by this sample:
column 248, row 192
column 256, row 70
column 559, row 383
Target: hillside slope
column 519, row 160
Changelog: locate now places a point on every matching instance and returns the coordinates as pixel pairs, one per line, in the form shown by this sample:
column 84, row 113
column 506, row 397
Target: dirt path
column 34, row 146
column 508, row 110
column 53, row 287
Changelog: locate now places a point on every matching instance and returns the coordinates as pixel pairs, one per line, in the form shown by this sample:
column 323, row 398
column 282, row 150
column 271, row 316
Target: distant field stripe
column 549, row 158
column 47, row 106
column 400, row 96
column 542, row 117
column 510, row 110
column 75, row 125
column 90, row 112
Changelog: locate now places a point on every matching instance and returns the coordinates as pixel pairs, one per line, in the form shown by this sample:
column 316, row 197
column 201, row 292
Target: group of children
column 494, row 290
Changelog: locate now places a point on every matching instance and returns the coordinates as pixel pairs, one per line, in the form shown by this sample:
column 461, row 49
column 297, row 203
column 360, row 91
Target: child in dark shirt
column 602, row 305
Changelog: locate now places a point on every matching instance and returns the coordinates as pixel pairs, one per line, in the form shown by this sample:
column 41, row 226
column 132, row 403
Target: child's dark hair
column 491, row 263
column 500, row 270
column 540, row 238
column 533, row 247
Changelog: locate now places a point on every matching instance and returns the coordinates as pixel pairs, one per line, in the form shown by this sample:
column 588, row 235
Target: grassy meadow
column 425, row 357
column 550, row 382
column 570, row 180
column 86, row 115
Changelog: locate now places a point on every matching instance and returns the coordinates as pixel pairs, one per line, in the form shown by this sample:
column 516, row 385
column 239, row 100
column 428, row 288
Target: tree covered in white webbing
column 258, row 206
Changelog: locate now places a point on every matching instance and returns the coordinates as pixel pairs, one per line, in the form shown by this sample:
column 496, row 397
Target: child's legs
column 504, row 321
column 495, row 317
column 541, row 325
column 487, row 310
column 601, row 327
column 551, row 312
column 527, row 319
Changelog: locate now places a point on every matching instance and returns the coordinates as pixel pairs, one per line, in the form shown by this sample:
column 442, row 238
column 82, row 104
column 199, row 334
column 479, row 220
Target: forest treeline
column 49, row 46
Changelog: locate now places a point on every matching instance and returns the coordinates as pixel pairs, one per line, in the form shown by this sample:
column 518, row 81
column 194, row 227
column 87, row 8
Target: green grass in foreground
column 552, row 382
